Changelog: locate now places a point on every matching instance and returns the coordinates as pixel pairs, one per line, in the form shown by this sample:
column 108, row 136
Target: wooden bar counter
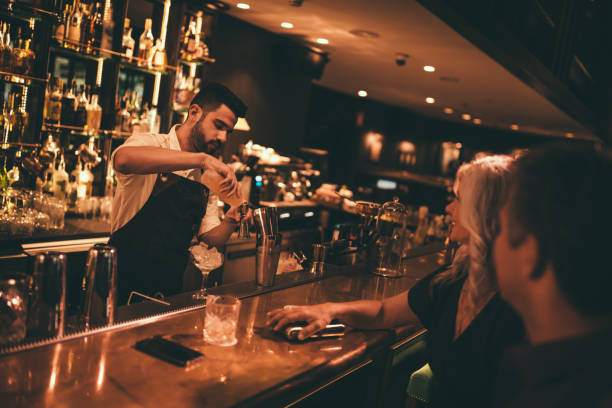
column 262, row 369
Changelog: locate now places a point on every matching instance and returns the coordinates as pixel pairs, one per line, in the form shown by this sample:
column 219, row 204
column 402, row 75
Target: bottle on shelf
column 4, row 179
column 127, row 43
column 154, row 120
column 123, row 123
column 159, row 55
column 6, row 124
column 96, row 28
column 86, row 18
column 28, row 56
column 80, row 115
column 68, row 105
column 108, row 26
column 145, row 44
column 48, row 177
column 94, row 115
column 85, row 182
column 14, row 175
column 201, row 46
column 21, row 118
column 110, row 184
column 73, row 36
column 7, row 51
column 189, row 40
column 61, row 29
column 54, row 103
column 60, row 180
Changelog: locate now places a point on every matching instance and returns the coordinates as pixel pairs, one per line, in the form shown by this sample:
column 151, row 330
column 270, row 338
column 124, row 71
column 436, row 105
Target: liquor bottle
column 21, row 117
column 80, row 115
column 190, row 40
column 2, row 68
column 108, row 26
column 14, row 175
column 9, row 118
column 54, row 107
column 97, row 27
column 110, row 184
column 62, row 28
column 127, row 43
column 23, row 57
column 201, row 46
column 4, row 179
column 145, row 44
column 123, row 118
column 6, row 124
column 60, row 180
column 7, row 52
column 68, row 105
column 159, row 55
column 154, row 120
column 28, row 55
column 85, row 182
column 86, row 18
column 73, row 35
column 94, row 115
column 48, row 178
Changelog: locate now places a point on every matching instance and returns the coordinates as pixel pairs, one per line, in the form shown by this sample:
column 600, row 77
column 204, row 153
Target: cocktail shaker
column 99, row 288
column 47, row 312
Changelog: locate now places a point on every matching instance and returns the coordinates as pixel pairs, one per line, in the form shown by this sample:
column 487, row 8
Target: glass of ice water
column 221, row 320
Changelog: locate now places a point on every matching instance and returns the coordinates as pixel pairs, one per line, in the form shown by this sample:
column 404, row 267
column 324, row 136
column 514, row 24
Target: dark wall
column 276, row 94
column 338, row 123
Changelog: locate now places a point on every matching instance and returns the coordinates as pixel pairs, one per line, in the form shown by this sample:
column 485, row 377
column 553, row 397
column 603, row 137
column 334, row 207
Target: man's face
column 507, row 261
column 210, row 132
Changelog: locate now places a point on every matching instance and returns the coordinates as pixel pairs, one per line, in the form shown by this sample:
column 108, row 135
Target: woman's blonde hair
column 482, row 186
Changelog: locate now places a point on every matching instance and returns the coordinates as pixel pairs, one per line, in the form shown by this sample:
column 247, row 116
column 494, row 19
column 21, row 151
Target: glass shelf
column 102, row 53
column 80, row 131
column 125, row 64
column 6, row 146
column 198, row 62
column 20, row 79
column 24, row 13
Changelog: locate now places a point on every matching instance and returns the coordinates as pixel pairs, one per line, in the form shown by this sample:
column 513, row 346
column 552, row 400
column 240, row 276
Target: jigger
column 100, row 286
column 243, row 232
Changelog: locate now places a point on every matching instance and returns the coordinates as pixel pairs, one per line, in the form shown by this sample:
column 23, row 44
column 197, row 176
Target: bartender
column 160, row 204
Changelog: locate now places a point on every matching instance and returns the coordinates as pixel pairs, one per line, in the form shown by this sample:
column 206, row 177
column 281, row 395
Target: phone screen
column 169, row 351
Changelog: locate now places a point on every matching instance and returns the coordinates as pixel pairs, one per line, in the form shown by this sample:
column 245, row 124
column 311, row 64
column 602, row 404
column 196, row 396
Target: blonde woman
column 468, row 323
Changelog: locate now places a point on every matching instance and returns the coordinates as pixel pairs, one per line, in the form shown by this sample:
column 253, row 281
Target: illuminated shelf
column 69, row 52
column 24, row 12
column 20, row 79
column 5, row 146
column 80, row 131
column 145, row 69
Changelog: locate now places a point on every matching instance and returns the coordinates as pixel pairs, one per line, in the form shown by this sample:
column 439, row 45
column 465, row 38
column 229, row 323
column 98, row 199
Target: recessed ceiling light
column 429, row 68
column 569, row 135
column 477, row 121
column 322, row 40
column 429, row 99
column 364, row 33
column 362, row 92
column 514, row 127
column 286, row 24
column 466, row 116
column 448, row 111
column 243, row 6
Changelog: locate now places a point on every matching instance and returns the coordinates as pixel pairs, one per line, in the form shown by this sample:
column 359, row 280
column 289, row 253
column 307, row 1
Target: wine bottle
column 145, row 45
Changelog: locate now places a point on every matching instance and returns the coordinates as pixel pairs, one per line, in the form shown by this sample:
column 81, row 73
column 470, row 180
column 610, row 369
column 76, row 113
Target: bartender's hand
column 233, row 214
column 317, row 317
column 229, row 184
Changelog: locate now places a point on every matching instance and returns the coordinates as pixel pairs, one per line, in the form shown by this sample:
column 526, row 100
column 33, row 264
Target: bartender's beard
column 199, row 143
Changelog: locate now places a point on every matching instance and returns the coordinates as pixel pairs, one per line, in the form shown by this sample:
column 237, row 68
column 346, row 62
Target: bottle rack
column 105, row 68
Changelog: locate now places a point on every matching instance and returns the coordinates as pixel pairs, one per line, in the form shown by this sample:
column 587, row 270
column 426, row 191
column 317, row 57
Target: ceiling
column 465, row 78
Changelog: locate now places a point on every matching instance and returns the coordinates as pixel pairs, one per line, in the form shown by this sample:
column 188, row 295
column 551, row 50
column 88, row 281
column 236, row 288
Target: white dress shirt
column 133, row 190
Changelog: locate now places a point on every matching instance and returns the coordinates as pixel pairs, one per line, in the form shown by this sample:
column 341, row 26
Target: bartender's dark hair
column 561, row 194
column 212, row 95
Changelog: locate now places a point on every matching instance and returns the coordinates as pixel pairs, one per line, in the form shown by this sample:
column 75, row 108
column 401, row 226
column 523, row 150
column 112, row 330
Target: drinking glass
column 206, row 260
column 13, row 296
column 221, row 320
column 56, row 210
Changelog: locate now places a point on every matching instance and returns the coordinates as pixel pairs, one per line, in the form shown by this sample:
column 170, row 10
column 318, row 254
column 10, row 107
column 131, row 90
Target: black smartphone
column 334, row 329
column 169, row 351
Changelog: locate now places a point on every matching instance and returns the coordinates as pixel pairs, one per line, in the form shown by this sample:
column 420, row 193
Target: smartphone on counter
column 169, row 351
column 334, row 329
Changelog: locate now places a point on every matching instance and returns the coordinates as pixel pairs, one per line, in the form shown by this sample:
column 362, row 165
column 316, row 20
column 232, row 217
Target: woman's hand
column 317, row 317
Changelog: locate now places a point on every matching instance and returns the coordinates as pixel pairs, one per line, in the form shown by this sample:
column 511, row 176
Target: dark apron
column 153, row 247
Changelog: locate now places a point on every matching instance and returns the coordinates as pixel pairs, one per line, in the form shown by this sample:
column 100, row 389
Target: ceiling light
column 429, row 68
column 363, row 93
column 448, row 111
column 429, row 99
column 514, row 127
column 569, row 135
column 286, row 24
column 322, row 40
column 466, row 116
column 477, row 121
column 243, row 6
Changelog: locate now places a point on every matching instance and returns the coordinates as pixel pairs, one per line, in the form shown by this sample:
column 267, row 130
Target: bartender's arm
column 149, row 160
column 219, row 235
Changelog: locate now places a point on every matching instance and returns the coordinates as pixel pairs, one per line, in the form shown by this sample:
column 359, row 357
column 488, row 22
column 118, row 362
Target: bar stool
column 420, row 387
